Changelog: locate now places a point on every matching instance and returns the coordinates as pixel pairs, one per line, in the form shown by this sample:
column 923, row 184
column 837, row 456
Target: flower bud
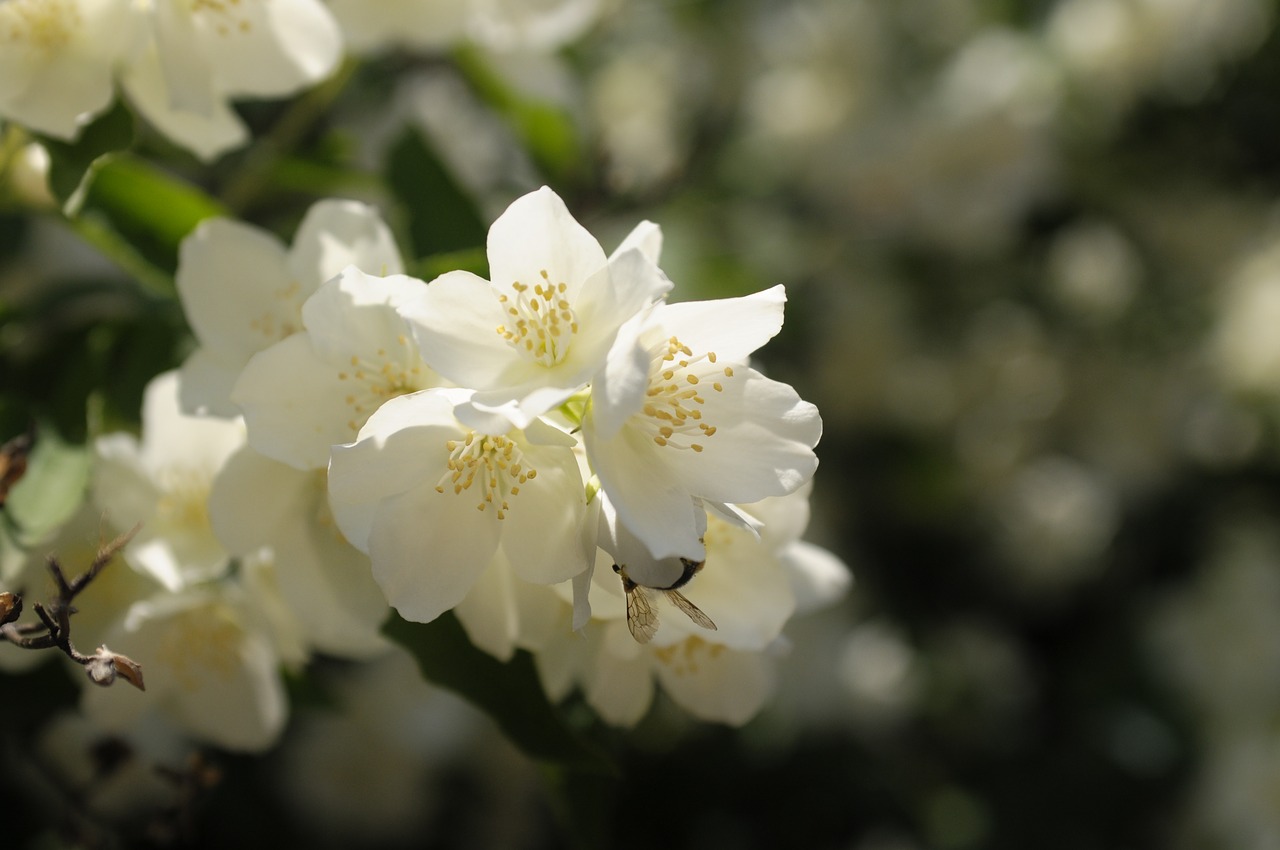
column 104, row 665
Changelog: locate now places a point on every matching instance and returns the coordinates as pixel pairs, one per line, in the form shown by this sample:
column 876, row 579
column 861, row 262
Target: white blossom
column 243, row 291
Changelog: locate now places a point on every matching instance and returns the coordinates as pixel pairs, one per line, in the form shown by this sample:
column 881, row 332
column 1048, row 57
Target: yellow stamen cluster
column 542, row 323
column 184, row 498
column 496, row 461
column 683, row 657
column 275, row 325
column 224, row 15
column 381, row 377
column 46, row 25
column 200, row 644
column 676, row 395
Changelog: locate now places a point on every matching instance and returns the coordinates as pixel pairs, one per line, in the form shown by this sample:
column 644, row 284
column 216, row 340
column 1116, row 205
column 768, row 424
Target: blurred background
column 1032, row 253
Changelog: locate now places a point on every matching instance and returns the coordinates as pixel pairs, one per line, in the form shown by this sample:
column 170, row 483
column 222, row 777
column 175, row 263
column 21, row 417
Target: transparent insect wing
column 695, row 613
column 642, row 619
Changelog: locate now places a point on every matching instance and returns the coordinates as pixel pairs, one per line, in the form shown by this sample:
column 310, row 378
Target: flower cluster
column 180, row 64
column 550, row 453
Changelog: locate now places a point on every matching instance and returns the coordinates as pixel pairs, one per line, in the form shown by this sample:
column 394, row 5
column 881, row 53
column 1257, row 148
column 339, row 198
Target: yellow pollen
column 539, row 322
column 672, row 413
column 493, row 464
column 46, row 25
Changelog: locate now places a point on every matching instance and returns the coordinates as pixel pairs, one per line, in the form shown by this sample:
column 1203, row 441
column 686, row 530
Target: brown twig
column 54, row 629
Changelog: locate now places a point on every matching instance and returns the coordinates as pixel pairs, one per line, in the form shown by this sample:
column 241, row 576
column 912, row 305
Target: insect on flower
column 642, row 619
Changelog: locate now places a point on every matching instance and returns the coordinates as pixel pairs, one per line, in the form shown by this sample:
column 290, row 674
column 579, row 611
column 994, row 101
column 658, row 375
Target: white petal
column 542, row 531
column 270, row 48
column 335, row 234
column 488, row 613
column 295, row 404
column 371, row 25
column 232, row 280
column 205, row 385
column 620, row 685
column 618, row 391
column 455, row 323
column 252, row 498
column 731, row 327
column 355, row 314
column 645, row 237
column 763, row 445
column 818, row 577
column 207, row 135
column 716, row 684
column 610, row 298
column 536, row 234
column 648, row 496
column 429, row 548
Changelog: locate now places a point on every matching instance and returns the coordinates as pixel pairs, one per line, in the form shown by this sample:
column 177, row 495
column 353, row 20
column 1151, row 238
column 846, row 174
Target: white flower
column 58, row 58
column 543, row 25
column 746, row 587
column 677, row 414
column 200, row 55
column 243, row 291
column 208, row 670
column 433, row 501
column 180, row 62
column 257, row 502
column 163, row 483
column 542, row 328
column 315, row 389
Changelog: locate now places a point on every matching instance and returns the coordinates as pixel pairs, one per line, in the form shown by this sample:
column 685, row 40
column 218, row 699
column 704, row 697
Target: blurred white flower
column 163, row 482
column 180, row 63
column 537, row 25
column 433, row 501
column 210, row 671
column 677, row 413
column 243, row 291
column 58, row 59
column 200, row 55
column 324, row 581
column 1245, row 345
column 542, row 328
column 315, row 389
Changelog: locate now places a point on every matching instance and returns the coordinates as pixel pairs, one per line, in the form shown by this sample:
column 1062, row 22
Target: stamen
column 540, row 321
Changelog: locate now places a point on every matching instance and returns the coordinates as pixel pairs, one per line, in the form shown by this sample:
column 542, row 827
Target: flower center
column 200, row 644
column 683, row 658
column 497, row 462
column 673, row 404
column 284, row 321
column 184, row 499
column 44, row 24
column 222, row 15
column 542, row 323
column 382, row 377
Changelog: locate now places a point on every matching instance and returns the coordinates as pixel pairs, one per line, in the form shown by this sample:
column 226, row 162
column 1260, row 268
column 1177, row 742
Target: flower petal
column 538, row 234
column 731, row 327
column 716, row 684
column 763, row 445
column 428, row 550
column 542, row 531
column 335, row 234
column 230, row 279
column 648, row 497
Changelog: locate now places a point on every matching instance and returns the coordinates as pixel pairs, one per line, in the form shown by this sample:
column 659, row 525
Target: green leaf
column 508, row 691
column 442, row 216
column 73, row 165
column 53, row 488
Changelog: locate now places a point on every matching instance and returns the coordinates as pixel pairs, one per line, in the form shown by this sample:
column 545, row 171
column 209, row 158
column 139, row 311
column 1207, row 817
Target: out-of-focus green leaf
column 73, row 165
column 510, row 692
column 442, row 216
column 51, row 491
column 548, row 131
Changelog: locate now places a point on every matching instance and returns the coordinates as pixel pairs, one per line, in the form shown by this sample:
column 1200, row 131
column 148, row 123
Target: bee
column 642, row 619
